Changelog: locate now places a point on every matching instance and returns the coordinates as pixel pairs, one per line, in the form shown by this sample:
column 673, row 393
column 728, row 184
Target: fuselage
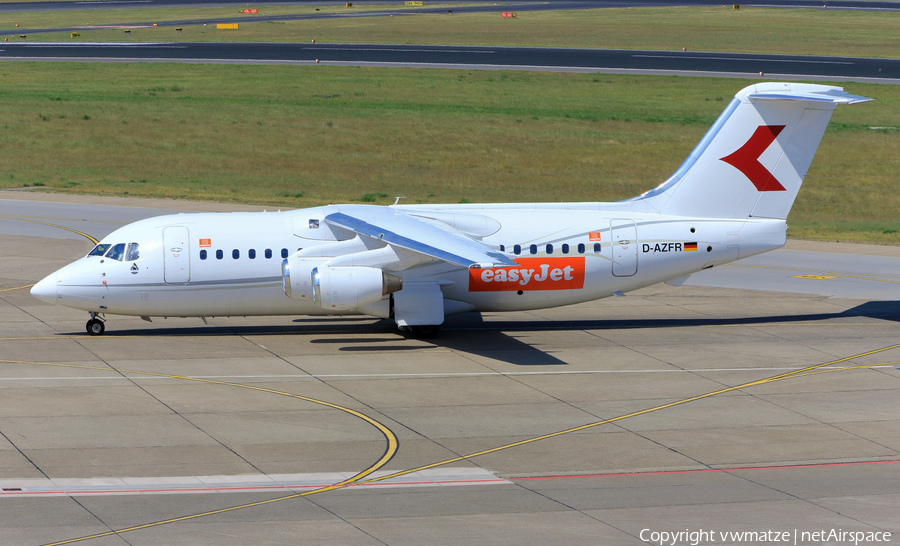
column 230, row 264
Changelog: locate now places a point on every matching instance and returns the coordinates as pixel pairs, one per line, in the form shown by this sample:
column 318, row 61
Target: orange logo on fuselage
column 532, row 274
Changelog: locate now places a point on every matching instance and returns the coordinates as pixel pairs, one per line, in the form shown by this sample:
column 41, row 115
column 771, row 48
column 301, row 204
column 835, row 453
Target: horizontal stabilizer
column 832, row 95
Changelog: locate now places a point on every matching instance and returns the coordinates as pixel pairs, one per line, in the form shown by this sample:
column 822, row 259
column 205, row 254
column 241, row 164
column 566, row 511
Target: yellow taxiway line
column 392, row 443
column 95, row 241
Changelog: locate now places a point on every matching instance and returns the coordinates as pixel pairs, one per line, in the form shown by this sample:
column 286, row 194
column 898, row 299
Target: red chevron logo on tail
column 746, row 158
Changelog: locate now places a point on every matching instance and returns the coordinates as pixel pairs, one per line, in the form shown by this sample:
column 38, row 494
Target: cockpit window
column 117, row 252
column 99, row 250
column 134, row 252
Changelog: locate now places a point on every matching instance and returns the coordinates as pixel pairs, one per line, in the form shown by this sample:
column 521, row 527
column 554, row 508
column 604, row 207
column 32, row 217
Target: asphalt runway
column 468, row 57
column 669, row 409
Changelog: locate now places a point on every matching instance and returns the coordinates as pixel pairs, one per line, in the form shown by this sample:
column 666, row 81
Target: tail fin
column 753, row 159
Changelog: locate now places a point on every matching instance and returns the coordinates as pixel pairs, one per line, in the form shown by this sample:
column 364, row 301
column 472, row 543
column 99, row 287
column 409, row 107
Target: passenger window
column 565, row 249
column 517, row 250
column 235, row 254
column 284, row 253
column 549, row 249
column 597, row 248
column 202, row 254
column 134, row 252
column 251, row 254
column 268, row 253
column 502, row 248
column 219, row 254
column 533, row 249
column 99, row 250
column 581, row 248
column 117, row 252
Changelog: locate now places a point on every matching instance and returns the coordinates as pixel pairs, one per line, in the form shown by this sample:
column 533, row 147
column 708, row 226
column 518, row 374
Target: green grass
column 304, row 136
column 814, row 32
column 117, row 16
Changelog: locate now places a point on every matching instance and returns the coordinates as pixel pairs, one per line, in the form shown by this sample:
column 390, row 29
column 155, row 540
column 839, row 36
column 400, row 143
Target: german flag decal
column 690, row 247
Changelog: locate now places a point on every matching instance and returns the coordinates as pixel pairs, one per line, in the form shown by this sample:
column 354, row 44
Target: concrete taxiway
column 669, row 409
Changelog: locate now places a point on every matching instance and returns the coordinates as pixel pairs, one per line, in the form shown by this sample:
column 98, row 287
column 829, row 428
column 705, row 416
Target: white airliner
column 416, row 264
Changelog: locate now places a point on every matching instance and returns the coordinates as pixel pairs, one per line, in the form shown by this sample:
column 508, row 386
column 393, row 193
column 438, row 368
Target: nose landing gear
column 95, row 326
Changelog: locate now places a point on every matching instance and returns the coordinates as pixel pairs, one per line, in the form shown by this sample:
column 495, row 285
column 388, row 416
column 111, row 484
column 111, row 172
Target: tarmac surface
column 670, row 409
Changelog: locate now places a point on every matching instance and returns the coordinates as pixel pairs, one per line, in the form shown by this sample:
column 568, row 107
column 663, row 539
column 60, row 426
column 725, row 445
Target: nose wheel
column 95, row 326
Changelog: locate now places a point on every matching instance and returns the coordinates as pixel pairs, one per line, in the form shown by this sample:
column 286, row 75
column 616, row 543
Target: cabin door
column 624, row 248
column 176, row 255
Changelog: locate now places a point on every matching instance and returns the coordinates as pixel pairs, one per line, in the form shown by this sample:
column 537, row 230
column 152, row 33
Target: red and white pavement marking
column 245, row 483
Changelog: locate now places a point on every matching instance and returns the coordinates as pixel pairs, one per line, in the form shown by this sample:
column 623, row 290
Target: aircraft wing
column 443, row 243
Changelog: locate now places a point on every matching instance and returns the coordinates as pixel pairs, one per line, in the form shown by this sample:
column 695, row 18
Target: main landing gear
column 95, row 326
column 425, row 331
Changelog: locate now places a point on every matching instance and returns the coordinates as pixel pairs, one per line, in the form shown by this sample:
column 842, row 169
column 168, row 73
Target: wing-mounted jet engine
column 342, row 276
column 363, row 274
column 346, row 288
column 296, row 269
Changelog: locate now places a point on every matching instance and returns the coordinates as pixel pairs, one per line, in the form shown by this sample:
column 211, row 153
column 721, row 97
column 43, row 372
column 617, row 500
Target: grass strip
column 294, row 136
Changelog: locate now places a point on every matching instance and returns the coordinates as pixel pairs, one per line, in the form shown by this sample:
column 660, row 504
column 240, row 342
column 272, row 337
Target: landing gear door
column 176, row 255
column 418, row 304
column 624, row 247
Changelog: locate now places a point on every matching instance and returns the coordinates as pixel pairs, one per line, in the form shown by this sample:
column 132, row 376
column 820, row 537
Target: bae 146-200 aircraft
column 416, row 264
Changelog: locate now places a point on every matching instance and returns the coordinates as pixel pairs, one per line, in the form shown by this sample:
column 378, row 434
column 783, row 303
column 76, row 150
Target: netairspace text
column 793, row 537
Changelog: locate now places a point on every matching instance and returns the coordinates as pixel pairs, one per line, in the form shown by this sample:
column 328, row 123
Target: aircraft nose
column 45, row 290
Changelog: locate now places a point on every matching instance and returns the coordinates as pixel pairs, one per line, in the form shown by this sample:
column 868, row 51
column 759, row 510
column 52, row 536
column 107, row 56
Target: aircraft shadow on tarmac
column 885, row 310
column 470, row 334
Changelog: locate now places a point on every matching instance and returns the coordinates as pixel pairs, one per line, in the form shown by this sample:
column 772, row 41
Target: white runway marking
column 148, row 45
column 245, row 483
column 400, row 50
column 739, row 59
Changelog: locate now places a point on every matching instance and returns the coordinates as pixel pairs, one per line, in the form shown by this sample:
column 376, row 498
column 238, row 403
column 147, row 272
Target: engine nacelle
column 345, row 288
column 296, row 274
